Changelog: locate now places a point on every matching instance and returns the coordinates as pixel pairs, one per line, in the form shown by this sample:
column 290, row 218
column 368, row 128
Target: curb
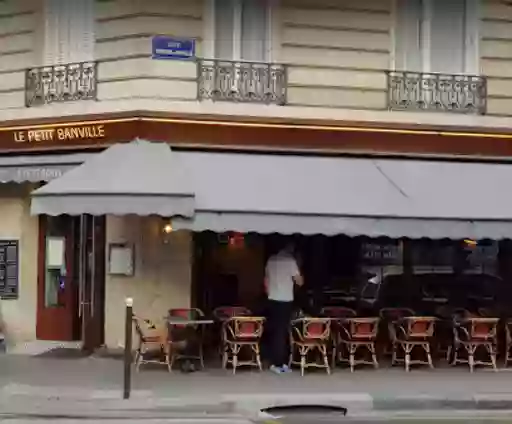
column 109, row 401
column 487, row 402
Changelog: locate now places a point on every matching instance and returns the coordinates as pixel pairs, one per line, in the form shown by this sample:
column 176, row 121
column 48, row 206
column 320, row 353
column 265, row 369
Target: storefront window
column 377, row 256
column 433, row 255
column 55, row 264
column 482, row 257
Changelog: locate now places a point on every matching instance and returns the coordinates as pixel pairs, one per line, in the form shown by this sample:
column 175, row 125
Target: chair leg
column 136, row 359
column 333, row 357
column 258, row 356
column 225, row 354
column 168, row 361
column 352, row 357
column 234, row 352
column 201, row 357
column 408, row 349
column 492, row 354
column 471, row 358
column 374, row 355
column 429, row 356
column 323, row 349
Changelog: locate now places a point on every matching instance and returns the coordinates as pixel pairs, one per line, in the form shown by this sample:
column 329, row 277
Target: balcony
column 250, row 82
column 60, row 83
column 416, row 91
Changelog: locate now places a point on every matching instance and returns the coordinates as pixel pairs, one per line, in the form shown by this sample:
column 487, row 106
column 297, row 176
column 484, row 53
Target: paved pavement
column 42, row 383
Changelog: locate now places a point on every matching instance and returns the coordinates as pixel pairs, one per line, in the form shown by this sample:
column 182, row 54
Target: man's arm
column 298, row 279
column 297, row 276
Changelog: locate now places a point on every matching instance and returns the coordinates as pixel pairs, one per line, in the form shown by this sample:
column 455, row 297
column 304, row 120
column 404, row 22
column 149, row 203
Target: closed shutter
column 254, row 30
column 437, row 36
column 241, row 29
column 69, row 31
column 409, row 35
column 224, row 29
column 448, row 36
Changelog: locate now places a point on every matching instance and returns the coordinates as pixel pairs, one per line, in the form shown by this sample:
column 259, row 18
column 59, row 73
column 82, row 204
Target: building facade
column 417, row 80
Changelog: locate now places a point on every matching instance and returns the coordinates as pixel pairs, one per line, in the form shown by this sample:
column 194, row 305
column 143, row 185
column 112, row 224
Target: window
column 437, row 36
column 55, row 260
column 68, row 31
column 242, row 30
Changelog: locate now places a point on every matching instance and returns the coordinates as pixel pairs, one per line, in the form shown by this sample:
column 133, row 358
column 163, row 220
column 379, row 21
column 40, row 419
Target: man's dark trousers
column 279, row 318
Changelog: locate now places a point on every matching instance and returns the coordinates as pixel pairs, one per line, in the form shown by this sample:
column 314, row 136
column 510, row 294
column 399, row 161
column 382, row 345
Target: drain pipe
column 127, row 377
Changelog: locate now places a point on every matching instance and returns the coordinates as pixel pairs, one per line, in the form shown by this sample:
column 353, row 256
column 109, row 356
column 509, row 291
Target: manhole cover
column 304, row 411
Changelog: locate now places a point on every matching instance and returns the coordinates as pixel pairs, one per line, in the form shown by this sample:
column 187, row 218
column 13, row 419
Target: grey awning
column 327, row 195
column 36, row 168
column 139, row 178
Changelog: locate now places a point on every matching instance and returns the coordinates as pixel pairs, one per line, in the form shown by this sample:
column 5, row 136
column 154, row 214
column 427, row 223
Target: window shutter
column 254, row 30
column 81, row 35
column 448, row 34
column 408, row 35
column 224, row 29
column 69, row 31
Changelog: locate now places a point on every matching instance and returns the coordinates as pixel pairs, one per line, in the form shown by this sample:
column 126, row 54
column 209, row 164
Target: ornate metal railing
column 61, row 83
column 437, row 92
column 221, row 80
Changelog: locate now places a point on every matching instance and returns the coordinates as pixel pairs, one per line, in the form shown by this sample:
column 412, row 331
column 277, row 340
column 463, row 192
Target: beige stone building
column 338, row 85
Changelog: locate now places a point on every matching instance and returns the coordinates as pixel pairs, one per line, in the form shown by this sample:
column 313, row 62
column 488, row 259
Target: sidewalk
column 35, row 382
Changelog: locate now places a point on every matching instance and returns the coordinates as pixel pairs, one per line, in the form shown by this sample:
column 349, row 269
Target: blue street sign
column 164, row 47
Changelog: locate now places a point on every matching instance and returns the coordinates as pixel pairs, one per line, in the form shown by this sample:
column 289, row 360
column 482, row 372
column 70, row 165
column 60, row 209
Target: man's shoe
column 286, row 369
column 276, row 370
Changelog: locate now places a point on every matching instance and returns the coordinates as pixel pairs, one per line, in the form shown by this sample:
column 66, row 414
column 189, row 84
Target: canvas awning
column 37, row 168
column 270, row 193
column 288, row 194
column 139, row 178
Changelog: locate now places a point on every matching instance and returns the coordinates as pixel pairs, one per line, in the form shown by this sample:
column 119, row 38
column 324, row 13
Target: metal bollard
column 127, row 380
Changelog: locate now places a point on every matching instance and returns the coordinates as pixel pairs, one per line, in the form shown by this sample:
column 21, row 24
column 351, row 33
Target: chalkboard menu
column 9, row 265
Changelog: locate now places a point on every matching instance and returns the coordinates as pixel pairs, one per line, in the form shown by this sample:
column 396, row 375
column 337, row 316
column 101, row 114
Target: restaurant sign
column 77, row 132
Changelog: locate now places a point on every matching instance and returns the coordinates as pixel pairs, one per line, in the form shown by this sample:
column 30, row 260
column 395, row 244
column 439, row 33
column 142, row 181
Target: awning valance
column 355, row 196
column 36, row 168
column 139, row 178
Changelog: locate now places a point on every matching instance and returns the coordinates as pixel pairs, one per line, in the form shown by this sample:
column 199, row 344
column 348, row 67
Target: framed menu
column 9, row 269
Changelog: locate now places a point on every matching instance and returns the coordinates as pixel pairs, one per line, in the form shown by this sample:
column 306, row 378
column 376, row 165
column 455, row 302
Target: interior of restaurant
column 364, row 274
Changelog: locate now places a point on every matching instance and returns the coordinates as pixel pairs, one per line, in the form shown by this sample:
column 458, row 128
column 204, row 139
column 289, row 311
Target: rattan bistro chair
column 474, row 335
column 150, row 346
column 310, row 336
column 242, row 333
column 413, row 333
column 357, row 334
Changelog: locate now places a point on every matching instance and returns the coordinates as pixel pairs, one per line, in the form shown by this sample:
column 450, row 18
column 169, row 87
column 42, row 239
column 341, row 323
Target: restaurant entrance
column 71, row 279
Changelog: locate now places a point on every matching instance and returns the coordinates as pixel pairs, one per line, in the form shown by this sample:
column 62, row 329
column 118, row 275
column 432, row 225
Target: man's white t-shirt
column 280, row 270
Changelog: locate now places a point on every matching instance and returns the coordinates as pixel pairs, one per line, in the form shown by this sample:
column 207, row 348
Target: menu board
column 9, row 265
column 382, row 254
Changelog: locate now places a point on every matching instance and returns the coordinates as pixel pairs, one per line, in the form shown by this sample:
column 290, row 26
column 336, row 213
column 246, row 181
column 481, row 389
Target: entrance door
column 92, row 280
column 57, row 300
column 71, row 281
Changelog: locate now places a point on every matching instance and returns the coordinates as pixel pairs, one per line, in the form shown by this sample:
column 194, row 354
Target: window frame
column 211, row 33
column 69, row 41
column 472, row 40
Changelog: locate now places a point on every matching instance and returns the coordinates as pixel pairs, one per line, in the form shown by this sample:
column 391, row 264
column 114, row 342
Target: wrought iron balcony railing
column 437, row 92
column 221, row 80
column 61, row 83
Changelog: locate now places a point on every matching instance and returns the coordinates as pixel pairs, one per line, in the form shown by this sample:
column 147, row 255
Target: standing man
column 281, row 274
